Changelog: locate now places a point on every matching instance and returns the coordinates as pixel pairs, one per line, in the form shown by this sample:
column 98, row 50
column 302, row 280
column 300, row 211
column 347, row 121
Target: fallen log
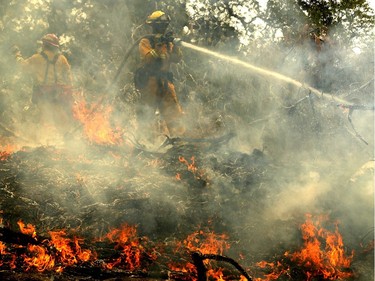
column 12, row 237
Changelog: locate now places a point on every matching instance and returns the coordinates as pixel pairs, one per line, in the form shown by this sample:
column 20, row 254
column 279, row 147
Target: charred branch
column 198, row 259
column 12, row 237
column 211, row 141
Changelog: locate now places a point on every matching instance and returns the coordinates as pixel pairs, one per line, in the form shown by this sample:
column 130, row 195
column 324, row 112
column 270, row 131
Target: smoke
column 310, row 139
column 294, row 152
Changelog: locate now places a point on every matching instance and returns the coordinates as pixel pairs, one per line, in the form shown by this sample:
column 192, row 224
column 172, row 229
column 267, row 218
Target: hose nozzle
column 177, row 41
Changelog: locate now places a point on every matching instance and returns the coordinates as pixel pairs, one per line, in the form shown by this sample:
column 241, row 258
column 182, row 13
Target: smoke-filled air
column 187, row 140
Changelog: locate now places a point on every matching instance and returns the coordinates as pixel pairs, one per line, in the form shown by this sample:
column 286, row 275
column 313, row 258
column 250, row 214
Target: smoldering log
column 198, row 259
column 9, row 236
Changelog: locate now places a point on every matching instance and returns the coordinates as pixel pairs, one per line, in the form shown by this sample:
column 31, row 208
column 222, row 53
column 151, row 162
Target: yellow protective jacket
column 152, row 53
column 49, row 70
column 156, row 86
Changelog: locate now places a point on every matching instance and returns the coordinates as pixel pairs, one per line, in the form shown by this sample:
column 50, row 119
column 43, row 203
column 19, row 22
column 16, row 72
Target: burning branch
column 198, row 259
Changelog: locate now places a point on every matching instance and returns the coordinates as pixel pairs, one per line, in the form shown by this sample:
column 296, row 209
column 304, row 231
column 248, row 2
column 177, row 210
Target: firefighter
column 154, row 80
column 52, row 82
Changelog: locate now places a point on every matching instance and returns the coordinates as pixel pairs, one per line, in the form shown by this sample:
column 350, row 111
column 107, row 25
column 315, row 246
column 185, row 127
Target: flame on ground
column 6, row 151
column 323, row 253
column 204, row 243
column 192, row 167
column 28, row 229
column 128, row 242
column 135, row 251
column 59, row 251
column 322, row 256
column 96, row 122
column 54, row 254
column 207, row 242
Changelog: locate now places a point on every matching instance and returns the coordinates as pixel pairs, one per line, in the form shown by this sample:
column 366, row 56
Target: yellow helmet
column 158, row 17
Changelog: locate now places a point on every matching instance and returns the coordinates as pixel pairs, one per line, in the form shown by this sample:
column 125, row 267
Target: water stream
column 266, row 72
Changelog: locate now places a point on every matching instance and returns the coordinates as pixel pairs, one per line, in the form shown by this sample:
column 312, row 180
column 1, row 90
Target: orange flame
column 192, row 167
column 129, row 243
column 96, row 123
column 3, row 249
column 5, row 152
column 60, row 252
column 322, row 256
column 12, row 263
column 67, row 252
column 205, row 243
column 329, row 261
column 68, row 255
column 217, row 274
column 28, row 229
column 243, row 278
column 40, row 259
column 277, row 270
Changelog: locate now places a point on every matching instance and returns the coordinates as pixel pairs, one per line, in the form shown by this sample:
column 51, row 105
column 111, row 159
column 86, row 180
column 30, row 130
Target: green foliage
column 351, row 18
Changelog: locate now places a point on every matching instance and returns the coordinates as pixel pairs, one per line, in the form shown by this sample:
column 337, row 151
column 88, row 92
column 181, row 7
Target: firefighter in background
column 323, row 58
column 316, row 50
column 154, row 80
column 52, row 83
column 50, row 69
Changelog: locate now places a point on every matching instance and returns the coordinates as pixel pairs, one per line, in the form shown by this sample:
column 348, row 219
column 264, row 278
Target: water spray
column 266, row 72
column 275, row 75
column 251, row 67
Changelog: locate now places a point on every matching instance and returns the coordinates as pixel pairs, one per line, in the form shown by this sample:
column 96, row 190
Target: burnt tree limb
column 198, row 259
column 12, row 237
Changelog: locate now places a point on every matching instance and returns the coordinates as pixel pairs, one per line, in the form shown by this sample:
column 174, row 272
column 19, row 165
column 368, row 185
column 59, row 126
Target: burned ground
column 169, row 194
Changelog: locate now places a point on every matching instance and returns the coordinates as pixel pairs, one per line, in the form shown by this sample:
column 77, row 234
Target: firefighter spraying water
column 158, row 112
column 154, row 80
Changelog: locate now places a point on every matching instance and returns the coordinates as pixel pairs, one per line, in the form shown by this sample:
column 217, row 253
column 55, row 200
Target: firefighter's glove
column 160, row 50
column 164, row 38
column 167, row 38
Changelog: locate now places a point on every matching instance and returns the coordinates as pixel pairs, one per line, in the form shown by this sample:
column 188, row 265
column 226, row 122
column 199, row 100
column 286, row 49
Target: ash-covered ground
column 257, row 196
